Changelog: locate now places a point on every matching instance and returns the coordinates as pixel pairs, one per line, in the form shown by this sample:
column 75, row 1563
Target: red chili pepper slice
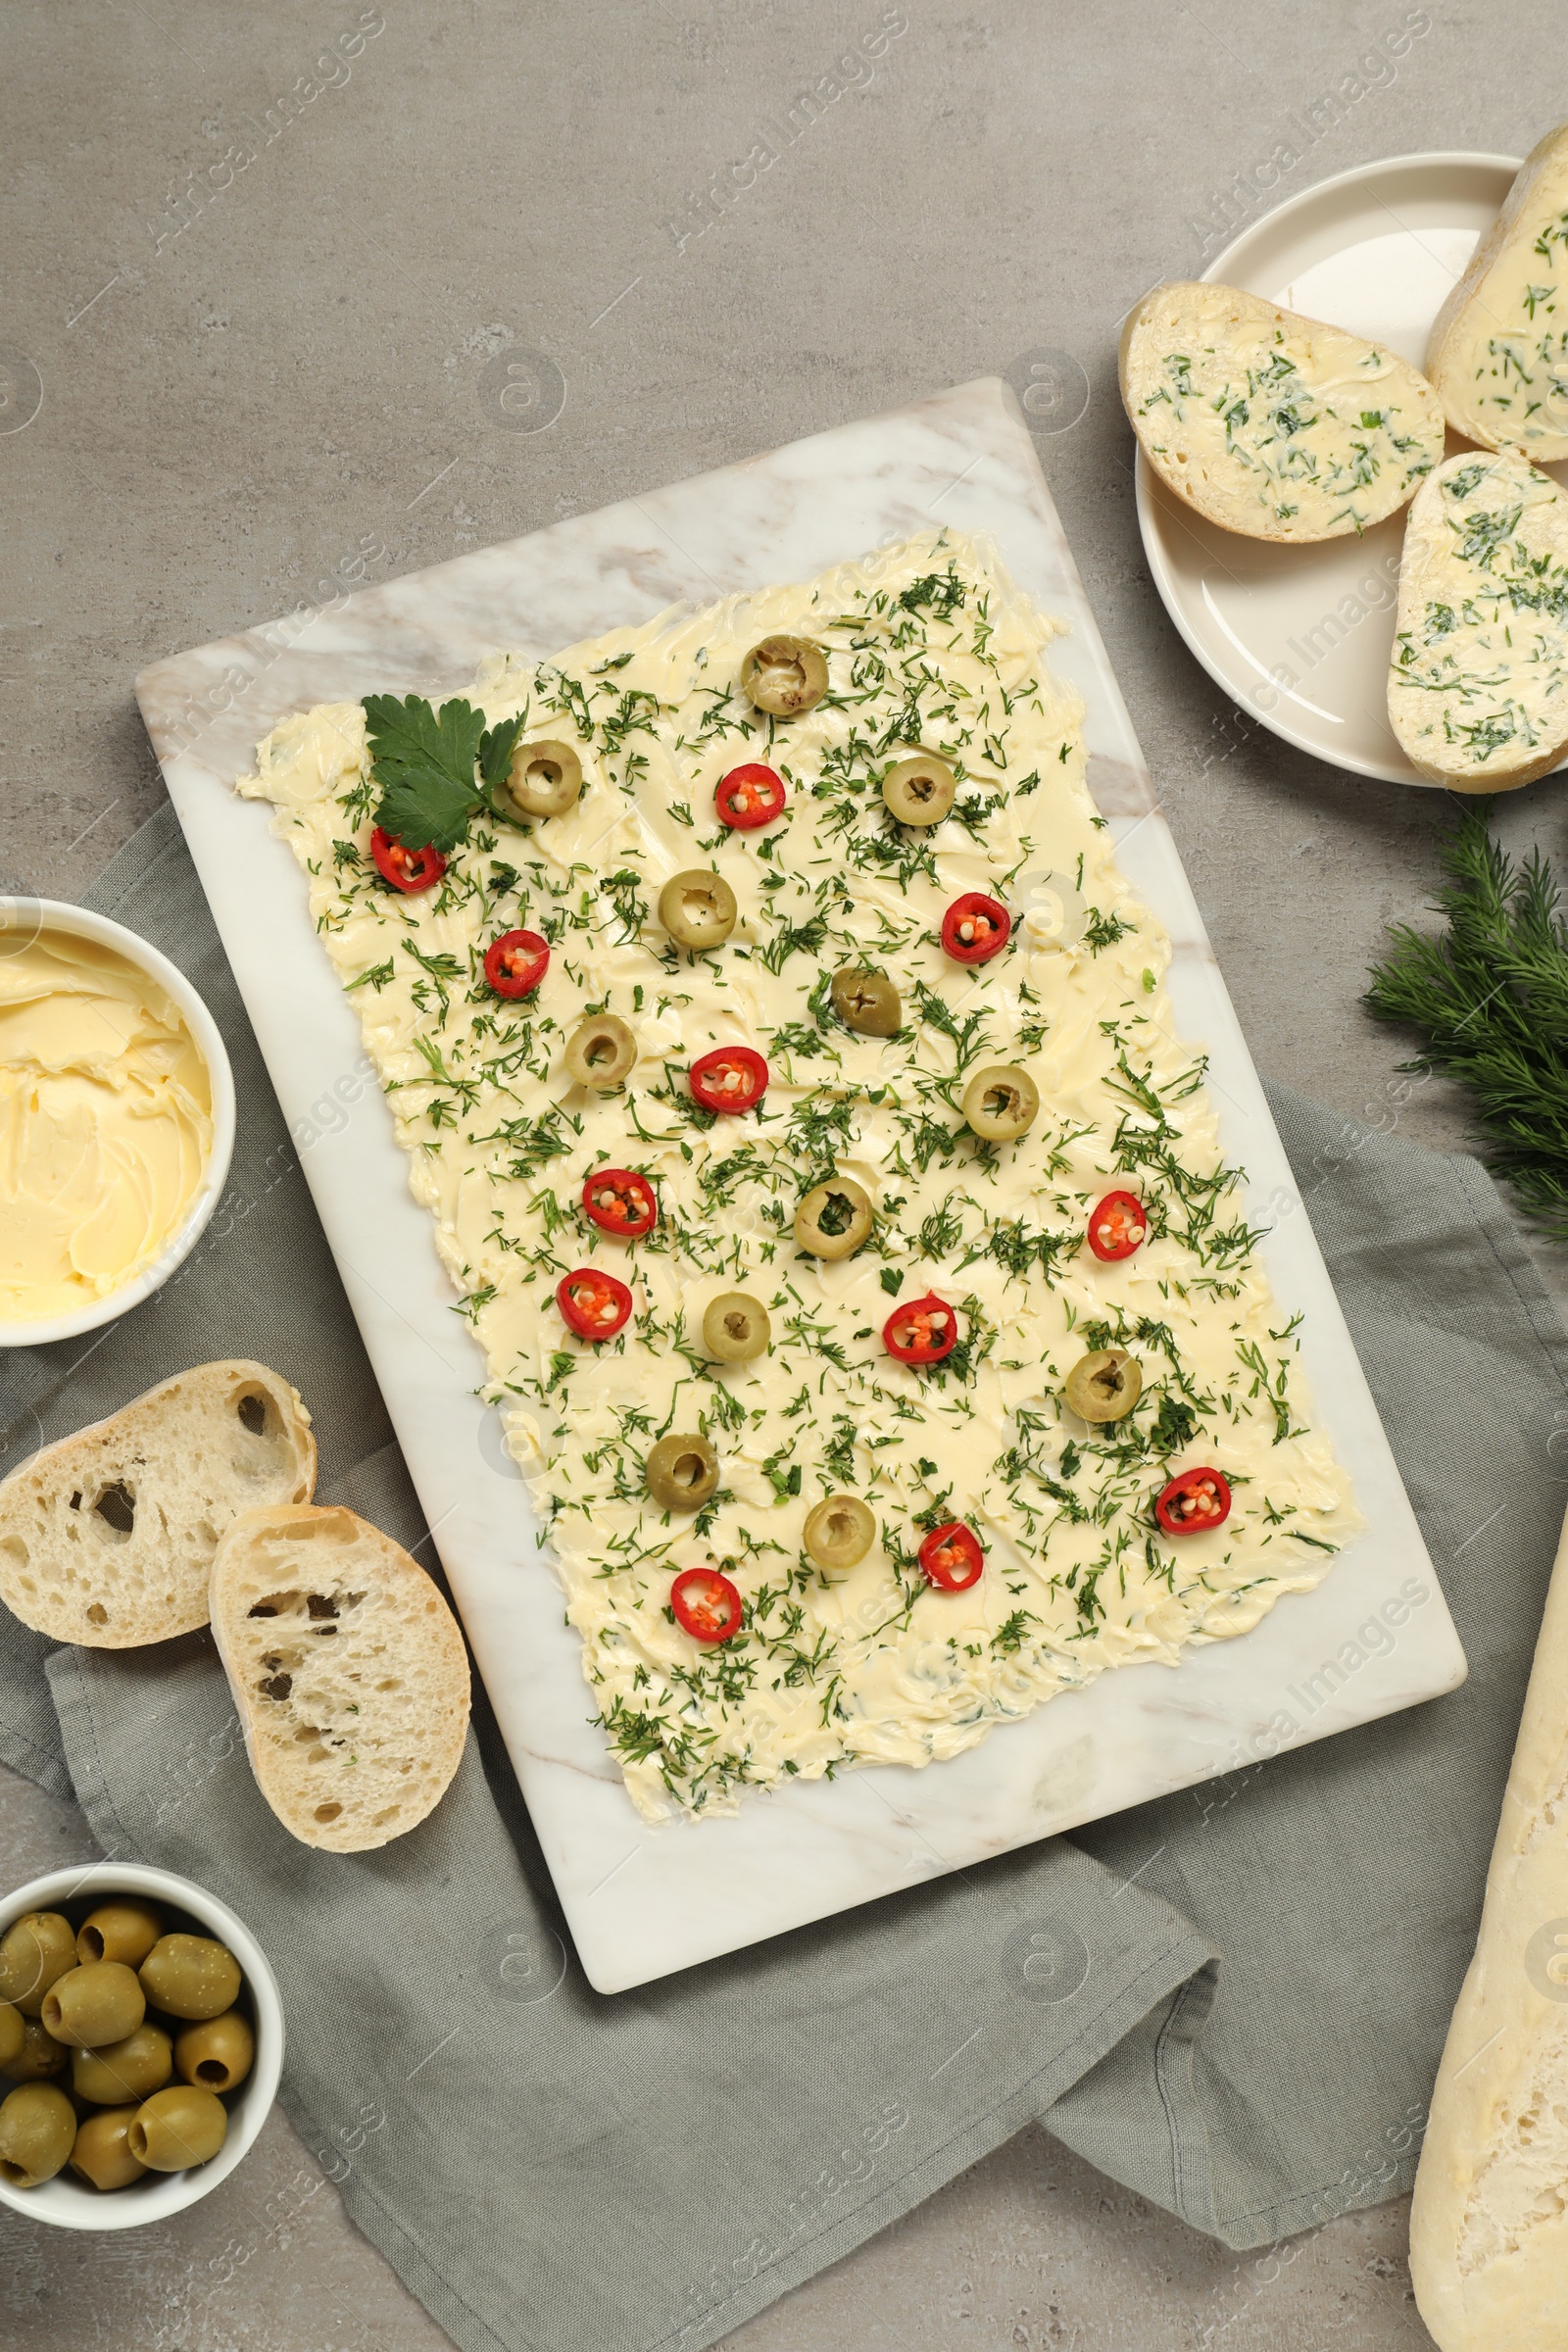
column 1117, row 1226
column 594, row 1305
column 516, row 962
column 706, row 1605
column 1194, row 1503
column 750, row 796
column 975, row 928
column 621, row 1202
column 922, row 1331
column 951, row 1557
column 406, row 870
column 732, row 1079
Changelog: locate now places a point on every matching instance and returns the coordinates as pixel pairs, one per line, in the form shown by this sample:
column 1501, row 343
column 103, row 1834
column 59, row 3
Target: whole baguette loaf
column 1498, row 354
column 107, row 1537
column 348, row 1672
column 1275, row 425
column 1489, row 2229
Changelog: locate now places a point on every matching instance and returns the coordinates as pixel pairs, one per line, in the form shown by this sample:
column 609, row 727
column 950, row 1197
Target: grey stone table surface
column 263, row 272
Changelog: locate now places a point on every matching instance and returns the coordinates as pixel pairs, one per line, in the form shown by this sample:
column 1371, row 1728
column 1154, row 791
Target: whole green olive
column 840, row 1532
column 920, row 791
column 784, row 675
column 13, row 2034
column 216, row 2051
column 101, row 2154
column 35, row 1949
column 123, row 1929
column 1105, row 1385
column 867, row 1002
column 736, row 1328
column 99, row 2002
column 37, row 2127
column 543, row 780
column 834, row 1218
column 601, row 1052
column 132, row 2069
column 39, row 2055
column 177, row 2128
column 681, row 1473
column 1000, row 1104
column 190, row 1975
column 697, row 909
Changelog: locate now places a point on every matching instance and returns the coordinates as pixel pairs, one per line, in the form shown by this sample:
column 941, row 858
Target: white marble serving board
column 643, row 1901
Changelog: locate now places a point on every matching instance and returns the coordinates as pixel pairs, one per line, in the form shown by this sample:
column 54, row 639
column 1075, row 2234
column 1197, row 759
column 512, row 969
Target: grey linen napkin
column 551, row 2169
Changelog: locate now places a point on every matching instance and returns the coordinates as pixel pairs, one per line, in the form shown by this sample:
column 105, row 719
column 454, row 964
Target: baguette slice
column 1271, row 424
column 1478, row 690
column 107, row 1537
column 1489, row 2228
column 348, row 1672
column 1498, row 351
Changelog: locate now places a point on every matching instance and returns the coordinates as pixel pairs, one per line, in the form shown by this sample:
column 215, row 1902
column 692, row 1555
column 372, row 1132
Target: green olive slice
column 601, row 1052
column 920, row 791
column 698, row 910
column 867, row 1002
column 1000, row 1104
column 840, row 1532
column 736, row 1328
column 834, row 1218
column 1103, row 1386
column 784, row 675
column 681, row 1473
column 543, row 780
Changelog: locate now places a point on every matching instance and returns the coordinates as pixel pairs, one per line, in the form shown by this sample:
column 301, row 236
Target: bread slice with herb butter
column 1488, row 2227
column 1498, row 354
column 1271, row 424
column 107, row 1537
column 348, row 1672
column 1478, row 690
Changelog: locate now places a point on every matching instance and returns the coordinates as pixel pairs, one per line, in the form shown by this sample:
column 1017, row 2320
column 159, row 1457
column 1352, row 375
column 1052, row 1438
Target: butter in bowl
column 117, row 1119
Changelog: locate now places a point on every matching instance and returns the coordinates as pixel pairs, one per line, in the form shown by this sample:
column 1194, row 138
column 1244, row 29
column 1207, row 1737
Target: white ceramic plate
column 1302, row 636
column 642, row 1901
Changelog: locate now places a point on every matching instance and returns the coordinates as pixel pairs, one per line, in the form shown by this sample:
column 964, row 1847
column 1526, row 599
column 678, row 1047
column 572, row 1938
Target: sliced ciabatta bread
column 106, row 1537
column 1272, row 424
column 348, row 1671
column 1478, row 689
column 1497, row 355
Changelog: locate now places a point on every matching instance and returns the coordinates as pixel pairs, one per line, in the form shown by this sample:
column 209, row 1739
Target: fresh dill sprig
column 1489, row 995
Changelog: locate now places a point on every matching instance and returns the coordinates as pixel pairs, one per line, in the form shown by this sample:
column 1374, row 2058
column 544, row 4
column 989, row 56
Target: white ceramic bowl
column 71, row 2204
column 22, row 920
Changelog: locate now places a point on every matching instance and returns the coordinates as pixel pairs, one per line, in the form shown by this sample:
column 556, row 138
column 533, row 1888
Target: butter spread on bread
column 1478, row 689
column 1497, row 355
column 1271, row 424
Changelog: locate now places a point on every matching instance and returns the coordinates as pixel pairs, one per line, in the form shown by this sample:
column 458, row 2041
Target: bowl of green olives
column 141, row 2038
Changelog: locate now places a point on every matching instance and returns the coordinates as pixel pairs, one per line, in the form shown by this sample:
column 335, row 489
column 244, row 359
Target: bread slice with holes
column 1271, row 424
column 348, row 1672
column 107, row 1537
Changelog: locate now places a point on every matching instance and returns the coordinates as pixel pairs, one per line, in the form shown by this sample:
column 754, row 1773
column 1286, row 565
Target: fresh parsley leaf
column 424, row 762
column 496, row 746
